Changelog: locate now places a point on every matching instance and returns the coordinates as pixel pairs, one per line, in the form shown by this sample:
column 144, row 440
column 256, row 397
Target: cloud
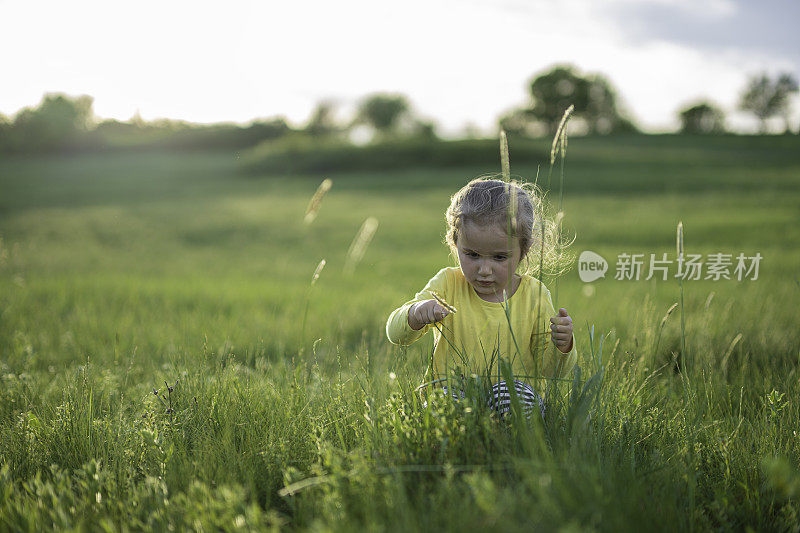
column 458, row 60
column 662, row 54
column 767, row 26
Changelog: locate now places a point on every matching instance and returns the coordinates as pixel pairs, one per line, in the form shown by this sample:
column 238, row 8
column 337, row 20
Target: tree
column 383, row 112
column 594, row 99
column 323, row 121
column 703, row 118
column 423, row 129
column 269, row 129
column 518, row 122
column 5, row 133
column 766, row 98
column 58, row 122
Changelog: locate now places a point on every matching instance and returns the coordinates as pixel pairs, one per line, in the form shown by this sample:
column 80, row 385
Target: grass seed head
column 560, row 138
column 442, row 301
column 360, row 243
column 668, row 313
column 316, row 200
column 317, row 272
column 505, row 163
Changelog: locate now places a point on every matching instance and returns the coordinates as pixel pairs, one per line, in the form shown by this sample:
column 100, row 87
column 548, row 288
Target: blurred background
column 91, row 76
column 157, row 160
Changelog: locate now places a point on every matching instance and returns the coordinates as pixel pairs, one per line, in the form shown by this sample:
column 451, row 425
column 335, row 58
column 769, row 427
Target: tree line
column 63, row 123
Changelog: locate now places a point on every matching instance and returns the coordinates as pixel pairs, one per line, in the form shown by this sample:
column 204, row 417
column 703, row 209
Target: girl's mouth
column 484, row 283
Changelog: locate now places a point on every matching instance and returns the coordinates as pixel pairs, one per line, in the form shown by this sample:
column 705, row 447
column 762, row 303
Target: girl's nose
column 484, row 268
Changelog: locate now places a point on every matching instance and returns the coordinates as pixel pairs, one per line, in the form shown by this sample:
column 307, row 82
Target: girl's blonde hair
column 487, row 200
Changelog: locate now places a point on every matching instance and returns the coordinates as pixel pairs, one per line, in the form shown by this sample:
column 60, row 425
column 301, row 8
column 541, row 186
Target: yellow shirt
column 474, row 336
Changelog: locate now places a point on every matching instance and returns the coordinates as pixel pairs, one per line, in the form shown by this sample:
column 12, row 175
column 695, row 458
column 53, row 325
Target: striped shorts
column 500, row 398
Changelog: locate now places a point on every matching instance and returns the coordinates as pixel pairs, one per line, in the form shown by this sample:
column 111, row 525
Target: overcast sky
column 458, row 61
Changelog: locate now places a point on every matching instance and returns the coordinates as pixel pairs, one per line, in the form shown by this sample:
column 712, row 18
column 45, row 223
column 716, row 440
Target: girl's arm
column 399, row 331
column 424, row 313
column 561, row 331
column 558, row 364
column 565, row 355
column 398, row 328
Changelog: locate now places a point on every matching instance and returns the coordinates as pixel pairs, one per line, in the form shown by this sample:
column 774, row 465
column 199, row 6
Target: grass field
column 119, row 272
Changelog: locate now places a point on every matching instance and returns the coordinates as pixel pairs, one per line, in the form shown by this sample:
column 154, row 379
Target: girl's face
column 488, row 259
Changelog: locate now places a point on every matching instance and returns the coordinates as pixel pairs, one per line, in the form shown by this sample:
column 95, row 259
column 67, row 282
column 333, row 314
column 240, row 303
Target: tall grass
column 95, row 314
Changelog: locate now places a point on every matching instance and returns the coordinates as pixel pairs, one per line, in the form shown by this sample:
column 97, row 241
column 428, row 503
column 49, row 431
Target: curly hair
column 488, row 200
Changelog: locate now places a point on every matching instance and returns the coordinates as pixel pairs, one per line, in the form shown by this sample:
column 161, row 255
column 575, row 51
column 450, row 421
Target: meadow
column 166, row 362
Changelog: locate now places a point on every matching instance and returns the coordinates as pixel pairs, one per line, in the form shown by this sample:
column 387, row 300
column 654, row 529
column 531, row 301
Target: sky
column 460, row 62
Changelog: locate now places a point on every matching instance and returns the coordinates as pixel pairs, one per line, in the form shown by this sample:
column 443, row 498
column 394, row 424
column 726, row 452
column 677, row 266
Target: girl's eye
column 471, row 254
column 500, row 258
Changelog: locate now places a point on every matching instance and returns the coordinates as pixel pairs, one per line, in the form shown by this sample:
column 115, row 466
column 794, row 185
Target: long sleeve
column 556, row 364
column 397, row 328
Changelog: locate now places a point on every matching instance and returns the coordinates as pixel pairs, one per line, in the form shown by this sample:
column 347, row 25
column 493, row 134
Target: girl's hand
column 426, row 312
column 561, row 331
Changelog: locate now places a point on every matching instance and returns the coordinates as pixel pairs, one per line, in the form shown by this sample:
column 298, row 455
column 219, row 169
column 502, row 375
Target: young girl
column 493, row 276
